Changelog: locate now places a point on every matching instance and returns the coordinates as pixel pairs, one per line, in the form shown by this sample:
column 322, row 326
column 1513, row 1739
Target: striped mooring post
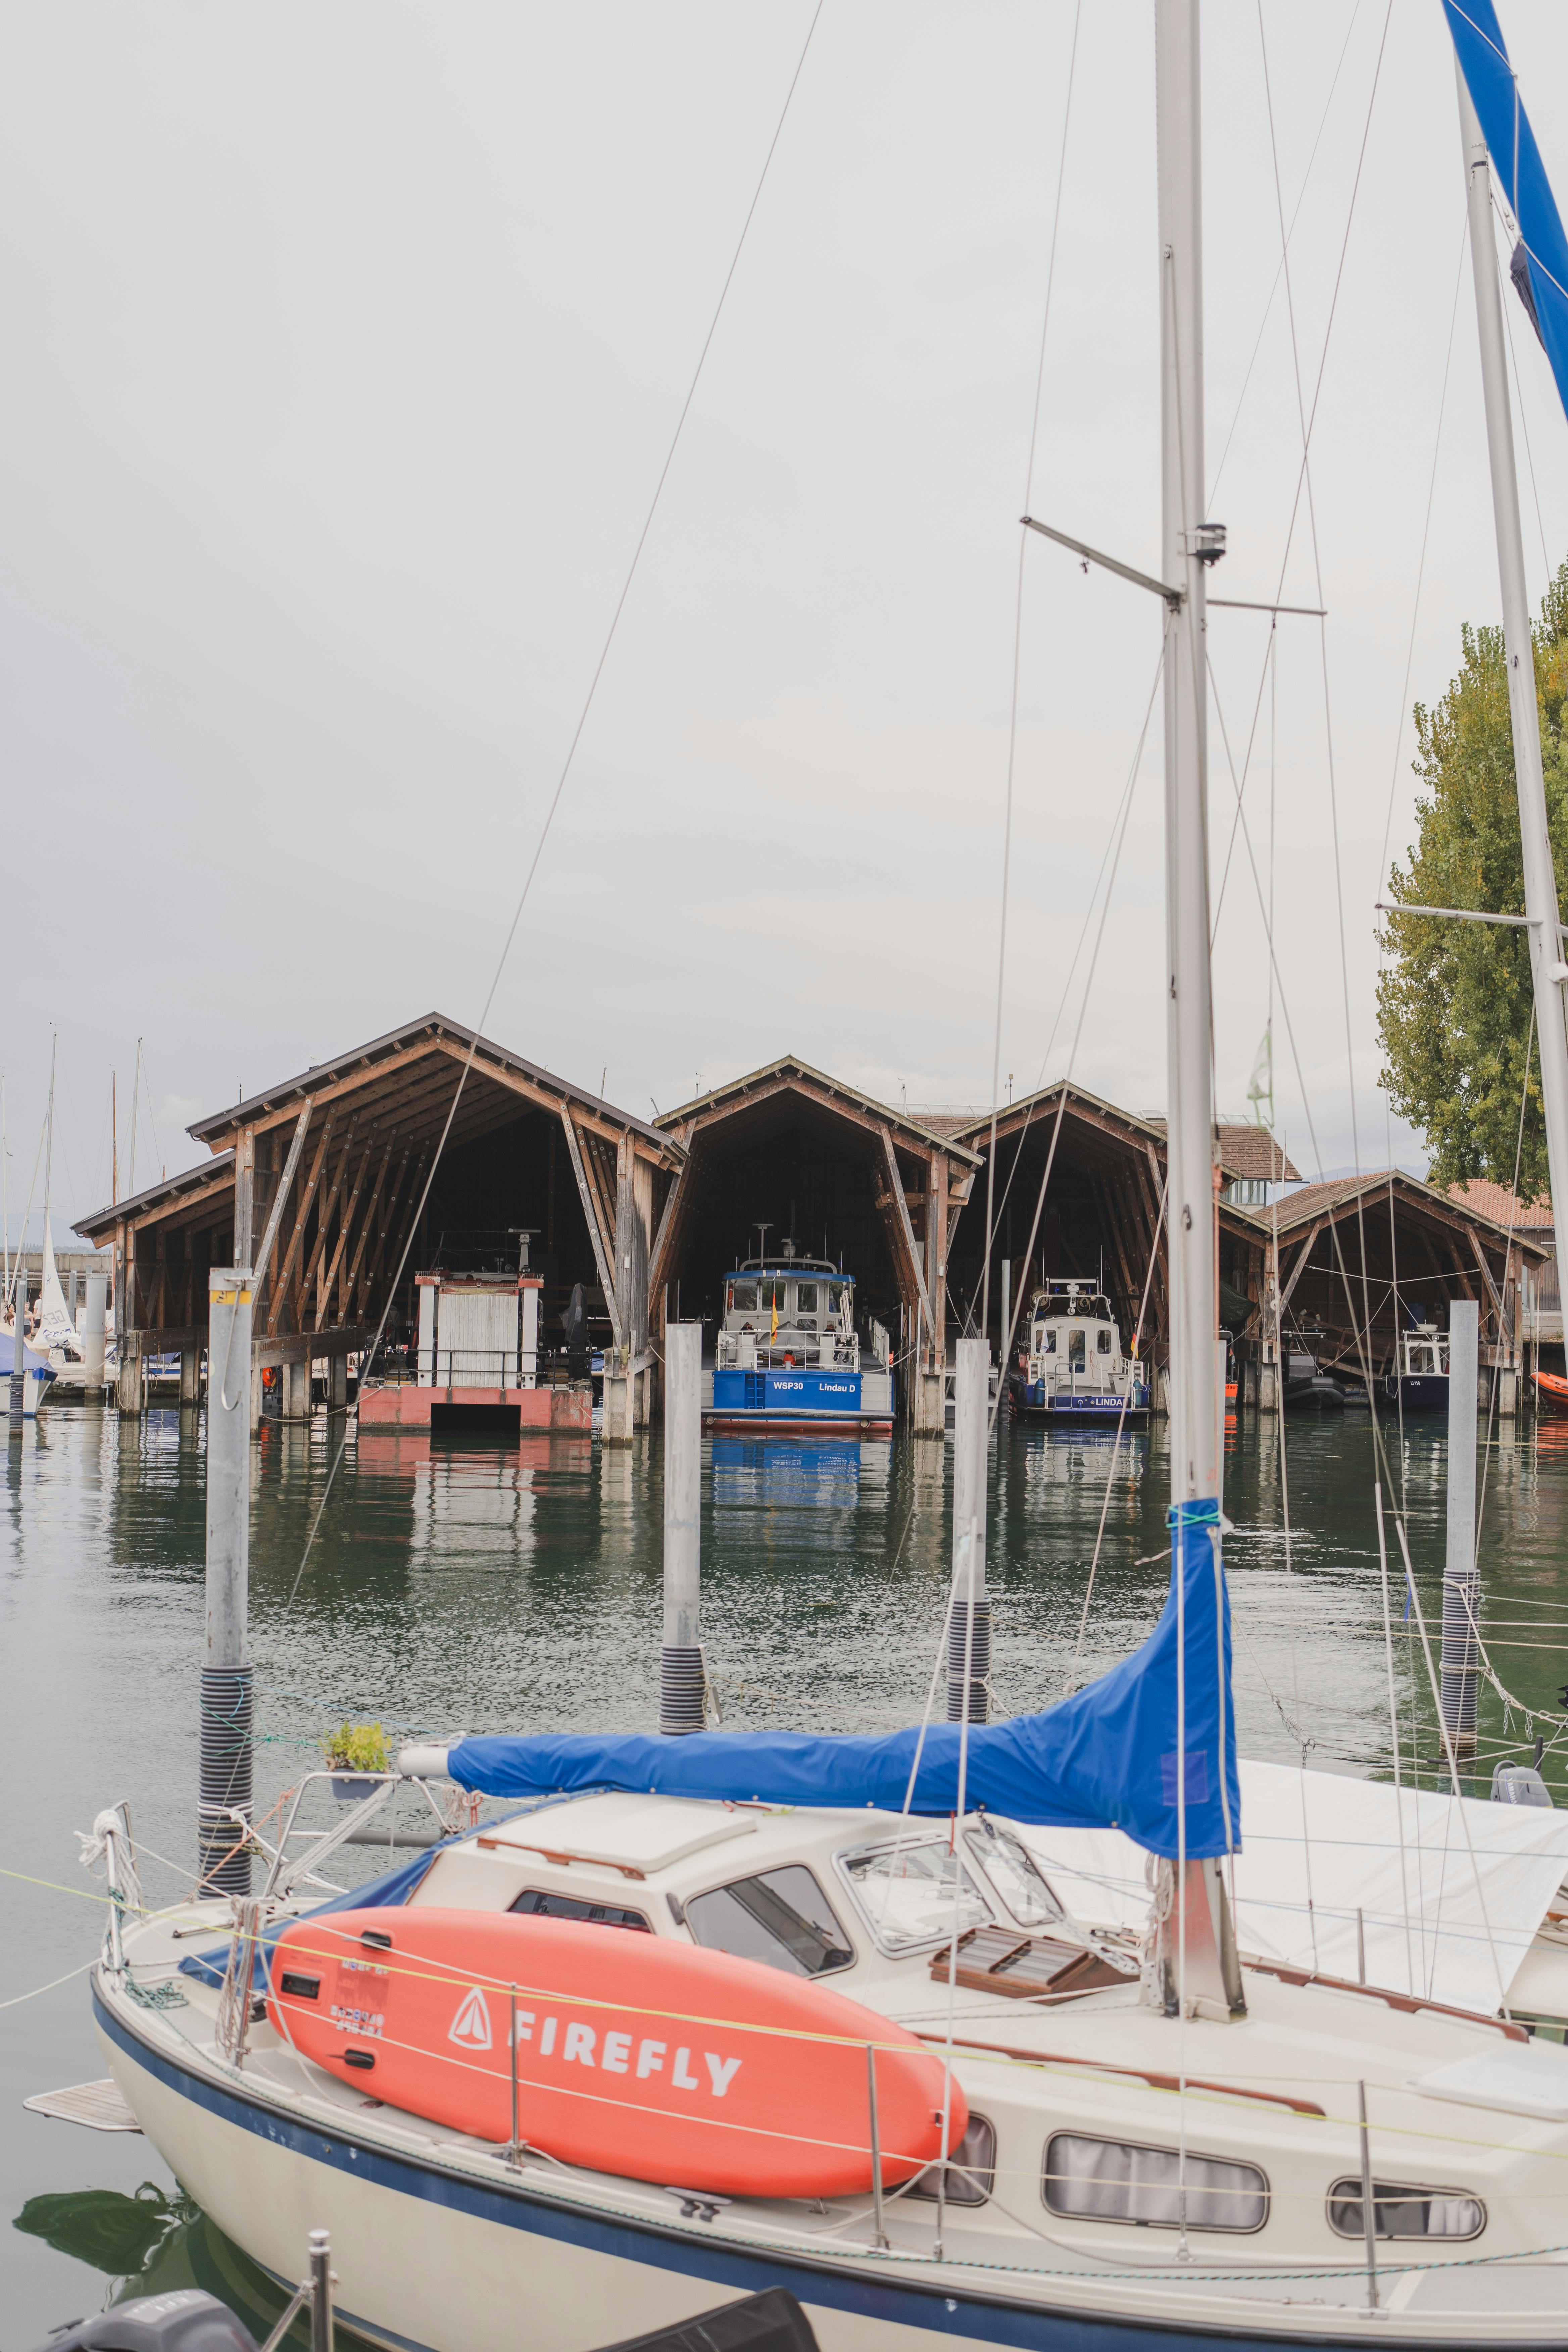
column 226, row 1743
column 1461, row 1581
column 970, row 1437
column 680, row 1676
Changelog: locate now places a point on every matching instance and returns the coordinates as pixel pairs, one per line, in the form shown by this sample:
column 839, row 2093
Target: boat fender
column 188, row 2320
column 770, row 2322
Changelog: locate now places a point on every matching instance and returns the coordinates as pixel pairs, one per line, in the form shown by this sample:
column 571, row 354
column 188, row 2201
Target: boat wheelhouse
column 1419, row 1381
column 789, row 1354
column 1070, row 1361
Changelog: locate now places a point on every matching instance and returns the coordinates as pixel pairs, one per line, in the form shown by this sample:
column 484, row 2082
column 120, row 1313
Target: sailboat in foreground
column 708, row 2014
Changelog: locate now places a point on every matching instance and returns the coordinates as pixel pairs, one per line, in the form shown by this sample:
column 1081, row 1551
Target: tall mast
column 49, row 1132
column 1187, row 546
column 1545, row 933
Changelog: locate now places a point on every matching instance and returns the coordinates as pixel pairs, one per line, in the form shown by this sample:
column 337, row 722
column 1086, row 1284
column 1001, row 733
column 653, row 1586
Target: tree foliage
column 1453, row 1001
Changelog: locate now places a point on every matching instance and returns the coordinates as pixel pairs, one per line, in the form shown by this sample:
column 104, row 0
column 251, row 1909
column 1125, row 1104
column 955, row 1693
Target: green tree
column 1453, row 1001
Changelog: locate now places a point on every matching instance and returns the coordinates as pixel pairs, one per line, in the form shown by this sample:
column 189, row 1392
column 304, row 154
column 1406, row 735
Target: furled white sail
column 56, row 1329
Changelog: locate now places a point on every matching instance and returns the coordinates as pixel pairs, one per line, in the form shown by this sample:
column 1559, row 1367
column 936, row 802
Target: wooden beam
column 404, row 1232
column 902, row 1211
column 324, row 1224
column 666, row 1238
column 1299, row 1266
column 603, row 1244
column 1496, row 1294
column 372, row 1208
column 198, row 1198
column 307, row 1194
column 345, row 1227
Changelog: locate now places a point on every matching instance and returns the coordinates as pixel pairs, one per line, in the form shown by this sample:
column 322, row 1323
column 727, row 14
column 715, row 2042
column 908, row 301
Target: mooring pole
column 92, row 1331
column 680, row 1676
column 1461, row 1584
column 18, row 1348
column 969, row 1645
column 226, row 1745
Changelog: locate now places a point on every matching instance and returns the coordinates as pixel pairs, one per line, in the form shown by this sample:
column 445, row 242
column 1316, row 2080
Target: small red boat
column 635, row 2054
column 1553, row 1391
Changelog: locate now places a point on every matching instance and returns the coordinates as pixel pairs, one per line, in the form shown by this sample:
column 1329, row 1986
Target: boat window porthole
column 1153, row 2188
column 780, row 1918
column 538, row 1903
column 1400, row 2210
column 971, row 2169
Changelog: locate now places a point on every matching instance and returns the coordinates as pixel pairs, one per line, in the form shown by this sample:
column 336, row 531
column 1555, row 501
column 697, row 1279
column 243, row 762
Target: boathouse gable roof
column 789, row 1074
column 389, row 1057
column 1339, row 1197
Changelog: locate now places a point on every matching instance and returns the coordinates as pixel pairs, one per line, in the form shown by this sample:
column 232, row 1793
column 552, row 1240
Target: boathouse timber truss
column 899, row 1185
column 353, row 1140
column 1355, row 1256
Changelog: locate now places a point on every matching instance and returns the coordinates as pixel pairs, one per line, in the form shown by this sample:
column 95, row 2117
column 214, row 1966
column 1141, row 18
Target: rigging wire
column 1017, row 660
column 566, row 766
column 1421, row 566
column 1274, row 288
column 1078, row 1032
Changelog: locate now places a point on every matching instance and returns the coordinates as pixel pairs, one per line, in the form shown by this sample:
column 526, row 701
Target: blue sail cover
column 1105, row 1757
column 1541, row 259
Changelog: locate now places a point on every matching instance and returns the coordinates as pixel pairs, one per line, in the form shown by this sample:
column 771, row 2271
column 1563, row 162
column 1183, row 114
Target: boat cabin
column 788, row 1312
column 1074, row 1360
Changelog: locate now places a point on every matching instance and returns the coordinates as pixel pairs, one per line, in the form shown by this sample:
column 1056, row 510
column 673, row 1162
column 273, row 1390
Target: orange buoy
column 635, row 2054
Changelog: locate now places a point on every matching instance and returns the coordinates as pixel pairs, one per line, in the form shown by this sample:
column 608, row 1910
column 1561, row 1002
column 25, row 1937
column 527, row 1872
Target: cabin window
column 1047, row 1343
column 1402, row 2212
column 1116, row 2180
column 914, row 1896
column 1423, row 1359
column 1075, row 1351
column 771, row 1297
column 1102, row 1341
column 743, row 1297
column 1010, row 1867
column 971, row 2169
column 780, row 1918
column 540, row 1904
column 805, row 1298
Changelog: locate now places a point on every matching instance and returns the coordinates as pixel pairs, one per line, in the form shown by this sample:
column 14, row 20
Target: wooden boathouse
column 798, row 1153
column 527, row 1154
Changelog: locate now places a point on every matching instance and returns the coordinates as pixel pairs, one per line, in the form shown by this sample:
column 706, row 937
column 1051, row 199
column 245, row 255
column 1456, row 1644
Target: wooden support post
column 345, row 1226
column 190, row 1375
column 599, row 1232
column 312, row 1277
column 348, row 1294
column 279, row 1299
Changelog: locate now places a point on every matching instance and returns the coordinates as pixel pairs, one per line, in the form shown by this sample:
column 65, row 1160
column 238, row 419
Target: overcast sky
column 344, row 344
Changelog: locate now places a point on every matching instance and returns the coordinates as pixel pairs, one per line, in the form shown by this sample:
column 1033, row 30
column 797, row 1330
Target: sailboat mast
column 49, row 1133
column 1544, row 934
column 1188, row 545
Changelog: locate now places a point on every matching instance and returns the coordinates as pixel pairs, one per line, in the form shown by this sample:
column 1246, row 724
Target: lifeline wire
column 571, row 753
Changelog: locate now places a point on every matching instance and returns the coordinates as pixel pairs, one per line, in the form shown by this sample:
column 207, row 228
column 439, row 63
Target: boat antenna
column 762, row 1229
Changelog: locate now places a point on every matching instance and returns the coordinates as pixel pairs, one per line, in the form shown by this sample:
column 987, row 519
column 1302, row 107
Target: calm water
column 463, row 1588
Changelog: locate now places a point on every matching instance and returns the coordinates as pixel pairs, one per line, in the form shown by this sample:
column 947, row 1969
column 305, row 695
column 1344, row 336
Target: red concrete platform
column 408, row 1407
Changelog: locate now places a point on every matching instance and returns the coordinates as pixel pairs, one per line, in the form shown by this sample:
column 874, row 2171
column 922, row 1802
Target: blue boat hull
column 1418, row 1391
column 804, row 1396
column 1033, row 1397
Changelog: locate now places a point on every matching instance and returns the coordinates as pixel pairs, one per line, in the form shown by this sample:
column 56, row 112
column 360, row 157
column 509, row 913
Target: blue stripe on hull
column 1028, row 2327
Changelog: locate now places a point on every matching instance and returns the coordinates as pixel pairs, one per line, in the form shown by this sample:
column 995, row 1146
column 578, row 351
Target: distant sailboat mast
column 1547, row 969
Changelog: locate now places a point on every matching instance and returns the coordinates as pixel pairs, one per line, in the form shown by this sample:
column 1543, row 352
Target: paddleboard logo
column 471, row 2026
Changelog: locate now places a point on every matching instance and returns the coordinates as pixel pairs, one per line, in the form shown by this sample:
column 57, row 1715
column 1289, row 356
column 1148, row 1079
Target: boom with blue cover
column 1539, row 267
column 1105, row 1757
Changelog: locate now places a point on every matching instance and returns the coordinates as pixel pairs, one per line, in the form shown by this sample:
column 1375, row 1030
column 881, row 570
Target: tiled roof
column 1498, row 1202
column 1248, row 1151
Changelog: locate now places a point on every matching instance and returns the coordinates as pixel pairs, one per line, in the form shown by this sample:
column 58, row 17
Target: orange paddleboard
column 636, row 2054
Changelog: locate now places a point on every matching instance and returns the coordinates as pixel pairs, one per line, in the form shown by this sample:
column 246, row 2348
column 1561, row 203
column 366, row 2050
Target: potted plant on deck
column 357, row 1755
